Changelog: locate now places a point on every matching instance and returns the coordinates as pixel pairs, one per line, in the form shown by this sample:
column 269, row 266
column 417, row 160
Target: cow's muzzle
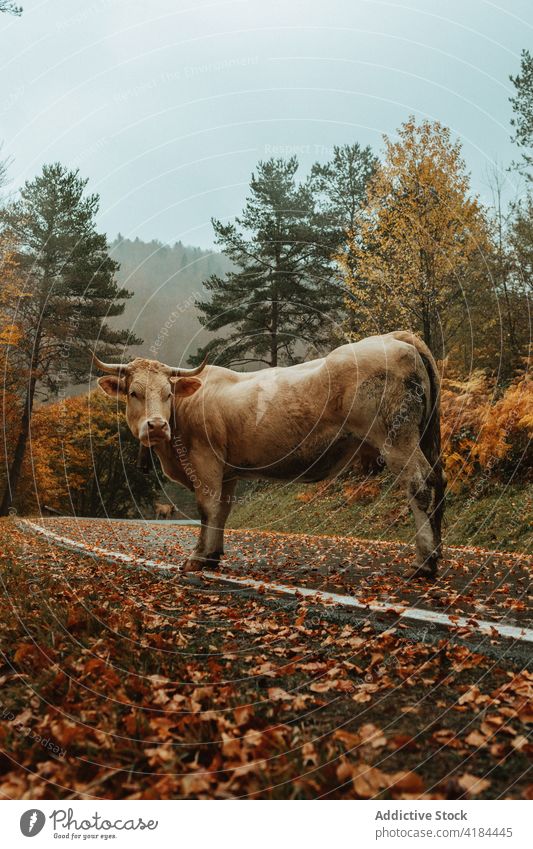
column 154, row 430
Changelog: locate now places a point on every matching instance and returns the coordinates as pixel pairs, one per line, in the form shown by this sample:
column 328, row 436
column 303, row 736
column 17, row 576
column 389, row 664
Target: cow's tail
column 430, row 440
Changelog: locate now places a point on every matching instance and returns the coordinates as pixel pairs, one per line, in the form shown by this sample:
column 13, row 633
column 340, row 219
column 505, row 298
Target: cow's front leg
column 214, row 505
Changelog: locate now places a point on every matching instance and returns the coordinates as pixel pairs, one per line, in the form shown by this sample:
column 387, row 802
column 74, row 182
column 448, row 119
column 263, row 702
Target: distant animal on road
column 377, row 399
column 164, row 511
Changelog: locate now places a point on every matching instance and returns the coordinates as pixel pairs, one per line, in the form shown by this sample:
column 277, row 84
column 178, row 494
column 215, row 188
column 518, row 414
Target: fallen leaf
column 472, row 784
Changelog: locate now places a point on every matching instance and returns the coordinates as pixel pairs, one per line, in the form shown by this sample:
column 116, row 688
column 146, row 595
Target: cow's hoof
column 213, row 559
column 428, row 571
column 192, row 564
column 420, row 573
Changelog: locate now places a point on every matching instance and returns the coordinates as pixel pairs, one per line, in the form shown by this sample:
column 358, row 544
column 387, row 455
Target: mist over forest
column 166, row 281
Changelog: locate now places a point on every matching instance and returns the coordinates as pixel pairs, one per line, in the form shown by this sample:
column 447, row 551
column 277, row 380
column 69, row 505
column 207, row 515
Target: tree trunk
column 502, row 274
column 274, row 333
column 428, row 336
column 13, row 476
column 274, row 314
column 15, row 469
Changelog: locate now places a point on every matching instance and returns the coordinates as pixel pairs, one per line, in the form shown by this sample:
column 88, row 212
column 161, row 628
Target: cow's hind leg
column 425, row 503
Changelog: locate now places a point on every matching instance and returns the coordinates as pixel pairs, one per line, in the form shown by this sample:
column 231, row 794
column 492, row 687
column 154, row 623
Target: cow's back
column 281, row 419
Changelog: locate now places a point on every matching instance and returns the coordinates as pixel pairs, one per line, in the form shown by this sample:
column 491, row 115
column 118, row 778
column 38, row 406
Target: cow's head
column 149, row 389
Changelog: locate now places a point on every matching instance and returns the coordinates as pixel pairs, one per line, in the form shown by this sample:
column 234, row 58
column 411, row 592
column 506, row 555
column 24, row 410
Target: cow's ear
column 112, row 385
column 183, row 386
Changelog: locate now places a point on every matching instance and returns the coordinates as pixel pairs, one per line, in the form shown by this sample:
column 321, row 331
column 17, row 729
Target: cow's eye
column 133, row 394
column 169, row 396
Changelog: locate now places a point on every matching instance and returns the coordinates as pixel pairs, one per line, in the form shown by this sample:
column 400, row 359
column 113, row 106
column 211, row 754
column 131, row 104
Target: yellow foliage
column 407, row 259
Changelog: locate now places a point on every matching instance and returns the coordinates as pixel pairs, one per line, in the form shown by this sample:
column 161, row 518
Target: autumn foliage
column 410, row 259
column 82, row 460
column 486, row 434
column 14, row 376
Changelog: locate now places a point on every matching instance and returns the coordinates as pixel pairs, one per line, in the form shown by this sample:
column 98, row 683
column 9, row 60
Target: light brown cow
column 163, row 511
column 377, row 398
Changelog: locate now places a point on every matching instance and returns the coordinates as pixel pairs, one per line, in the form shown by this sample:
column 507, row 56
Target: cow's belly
column 307, row 463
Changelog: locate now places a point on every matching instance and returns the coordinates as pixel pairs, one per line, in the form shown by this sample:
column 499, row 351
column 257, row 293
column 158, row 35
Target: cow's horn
column 110, row 368
column 188, row 372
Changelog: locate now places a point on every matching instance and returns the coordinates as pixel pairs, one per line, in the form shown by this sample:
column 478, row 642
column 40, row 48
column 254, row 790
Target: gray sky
column 167, row 105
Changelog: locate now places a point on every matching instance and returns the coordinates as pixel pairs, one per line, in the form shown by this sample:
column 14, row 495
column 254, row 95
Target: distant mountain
column 166, row 280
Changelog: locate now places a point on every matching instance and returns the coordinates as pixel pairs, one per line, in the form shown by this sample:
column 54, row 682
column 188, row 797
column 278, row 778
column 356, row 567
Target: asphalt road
column 474, row 585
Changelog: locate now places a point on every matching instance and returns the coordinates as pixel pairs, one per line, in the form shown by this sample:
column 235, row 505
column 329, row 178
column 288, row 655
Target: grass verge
column 499, row 520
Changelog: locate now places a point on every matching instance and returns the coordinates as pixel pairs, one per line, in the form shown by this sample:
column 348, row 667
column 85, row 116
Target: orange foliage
column 480, row 432
column 365, row 491
column 82, row 459
column 13, row 376
column 310, row 494
column 59, row 460
column 306, row 496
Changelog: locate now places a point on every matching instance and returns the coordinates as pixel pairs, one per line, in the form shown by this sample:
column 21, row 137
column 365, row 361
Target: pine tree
column 10, row 8
column 276, row 301
column 340, row 188
column 520, row 282
column 68, row 291
column 522, row 104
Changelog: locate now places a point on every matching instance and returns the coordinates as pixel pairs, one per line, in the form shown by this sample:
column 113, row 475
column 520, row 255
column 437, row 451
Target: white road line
column 416, row 613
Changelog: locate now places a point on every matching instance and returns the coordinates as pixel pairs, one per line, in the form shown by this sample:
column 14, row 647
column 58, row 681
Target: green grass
column 491, row 516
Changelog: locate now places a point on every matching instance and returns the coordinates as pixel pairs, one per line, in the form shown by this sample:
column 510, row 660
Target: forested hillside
column 166, row 281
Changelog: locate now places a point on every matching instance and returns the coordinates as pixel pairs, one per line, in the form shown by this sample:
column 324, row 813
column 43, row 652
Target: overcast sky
column 167, row 105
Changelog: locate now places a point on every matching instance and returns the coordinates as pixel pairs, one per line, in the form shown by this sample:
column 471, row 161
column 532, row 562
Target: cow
column 163, row 511
column 377, row 398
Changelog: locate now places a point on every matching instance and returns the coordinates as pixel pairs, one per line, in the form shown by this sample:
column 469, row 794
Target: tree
column 69, row 288
column 10, row 8
column 520, row 278
column 3, row 171
column 11, row 288
column 522, row 104
column 275, row 299
column 507, row 331
column 416, row 251
column 74, row 465
column 340, row 187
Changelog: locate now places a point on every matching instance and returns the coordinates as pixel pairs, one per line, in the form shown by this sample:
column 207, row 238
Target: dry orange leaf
column 472, row 784
column 349, row 740
column 475, row 738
